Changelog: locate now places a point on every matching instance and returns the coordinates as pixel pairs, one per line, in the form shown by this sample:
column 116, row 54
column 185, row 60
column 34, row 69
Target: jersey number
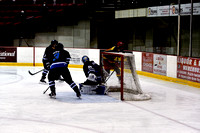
column 56, row 56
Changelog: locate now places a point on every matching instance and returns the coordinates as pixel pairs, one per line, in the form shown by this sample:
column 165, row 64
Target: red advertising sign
column 8, row 54
column 188, row 68
column 147, row 62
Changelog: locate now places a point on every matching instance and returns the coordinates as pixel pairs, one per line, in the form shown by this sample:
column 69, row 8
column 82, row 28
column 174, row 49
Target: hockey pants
column 55, row 73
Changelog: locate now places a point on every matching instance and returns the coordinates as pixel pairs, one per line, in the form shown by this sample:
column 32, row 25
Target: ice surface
column 174, row 108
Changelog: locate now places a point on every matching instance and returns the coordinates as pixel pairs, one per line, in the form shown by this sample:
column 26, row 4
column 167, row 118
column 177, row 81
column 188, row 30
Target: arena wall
column 32, row 56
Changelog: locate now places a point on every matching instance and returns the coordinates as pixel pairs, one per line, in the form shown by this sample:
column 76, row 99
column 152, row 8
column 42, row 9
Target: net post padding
column 128, row 88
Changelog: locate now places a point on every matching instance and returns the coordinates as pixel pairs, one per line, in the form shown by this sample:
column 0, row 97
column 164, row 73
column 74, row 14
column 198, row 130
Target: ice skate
column 78, row 94
column 52, row 95
column 42, row 81
column 53, row 92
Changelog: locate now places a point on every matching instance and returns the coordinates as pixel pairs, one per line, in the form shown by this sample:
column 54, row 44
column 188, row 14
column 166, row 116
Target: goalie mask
column 85, row 58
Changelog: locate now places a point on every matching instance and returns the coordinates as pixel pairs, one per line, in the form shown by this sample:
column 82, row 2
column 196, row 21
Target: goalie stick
column 35, row 72
column 109, row 76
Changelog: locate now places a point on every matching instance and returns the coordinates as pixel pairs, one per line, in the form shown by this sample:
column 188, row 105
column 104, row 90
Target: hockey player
column 112, row 63
column 119, row 47
column 92, row 71
column 59, row 67
column 93, row 74
column 48, row 55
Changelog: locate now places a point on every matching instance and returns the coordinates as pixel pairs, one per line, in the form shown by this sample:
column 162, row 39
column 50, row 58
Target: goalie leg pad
column 92, row 89
column 100, row 90
column 88, row 89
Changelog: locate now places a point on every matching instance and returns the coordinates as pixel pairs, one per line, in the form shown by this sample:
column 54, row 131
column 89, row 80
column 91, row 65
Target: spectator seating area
column 23, row 18
column 13, row 12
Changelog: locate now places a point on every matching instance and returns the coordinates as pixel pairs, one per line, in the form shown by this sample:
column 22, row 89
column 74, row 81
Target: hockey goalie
column 92, row 71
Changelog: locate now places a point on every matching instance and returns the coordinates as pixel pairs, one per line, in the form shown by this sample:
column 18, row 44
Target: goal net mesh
column 120, row 76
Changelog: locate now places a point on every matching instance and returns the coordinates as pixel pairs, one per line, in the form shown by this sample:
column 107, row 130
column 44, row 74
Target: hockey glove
column 92, row 77
column 48, row 66
column 67, row 61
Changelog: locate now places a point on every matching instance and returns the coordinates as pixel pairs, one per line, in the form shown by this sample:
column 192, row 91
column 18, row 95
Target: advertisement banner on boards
column 8, row 54
column 160, row 64
column 188, row 68
column 147, row 62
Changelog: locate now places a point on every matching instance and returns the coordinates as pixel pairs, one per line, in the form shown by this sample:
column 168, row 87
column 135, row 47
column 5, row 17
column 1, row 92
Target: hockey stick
column 35, row 72
column 109, row 76
column 46, row 90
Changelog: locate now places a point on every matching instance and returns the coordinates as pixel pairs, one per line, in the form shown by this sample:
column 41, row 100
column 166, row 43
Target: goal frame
column 130, row 91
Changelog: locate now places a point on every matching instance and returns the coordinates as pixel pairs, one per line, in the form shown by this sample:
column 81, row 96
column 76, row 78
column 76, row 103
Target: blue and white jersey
column 58, row 65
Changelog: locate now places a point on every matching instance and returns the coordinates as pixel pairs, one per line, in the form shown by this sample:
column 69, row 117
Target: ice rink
column 174, row 108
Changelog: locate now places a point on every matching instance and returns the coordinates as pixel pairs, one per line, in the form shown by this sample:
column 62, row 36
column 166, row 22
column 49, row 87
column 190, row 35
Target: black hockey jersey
column 91, row 67
column 60, row 59
column 48, row 55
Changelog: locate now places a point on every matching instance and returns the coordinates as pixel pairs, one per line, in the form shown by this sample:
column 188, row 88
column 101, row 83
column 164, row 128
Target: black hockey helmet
column 60, row 46
column 85, row 58
column 54, row 42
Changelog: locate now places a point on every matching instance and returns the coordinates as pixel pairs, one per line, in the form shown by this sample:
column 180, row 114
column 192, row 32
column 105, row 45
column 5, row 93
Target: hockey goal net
column 120, row 76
